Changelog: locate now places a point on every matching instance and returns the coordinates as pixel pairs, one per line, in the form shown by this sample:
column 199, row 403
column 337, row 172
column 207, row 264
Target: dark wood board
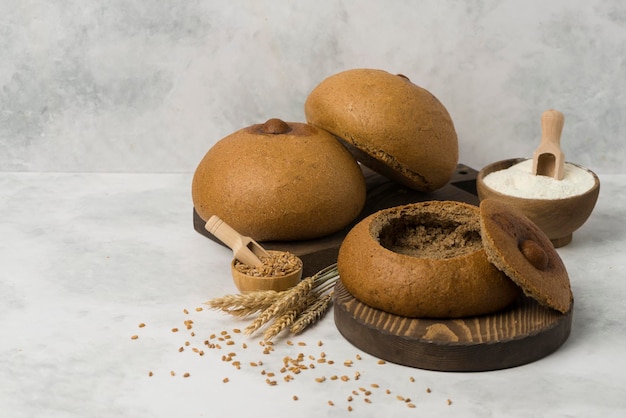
column 382, row 193
column 523, row 333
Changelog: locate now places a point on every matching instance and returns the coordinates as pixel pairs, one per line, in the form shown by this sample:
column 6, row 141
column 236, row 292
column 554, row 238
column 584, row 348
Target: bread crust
column 418, row 286
column 522, row 250
column 390, row 124
column 297, row 185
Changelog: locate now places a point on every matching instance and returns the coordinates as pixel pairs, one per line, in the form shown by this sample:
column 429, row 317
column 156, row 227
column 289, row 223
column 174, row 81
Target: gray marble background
column 150, row 86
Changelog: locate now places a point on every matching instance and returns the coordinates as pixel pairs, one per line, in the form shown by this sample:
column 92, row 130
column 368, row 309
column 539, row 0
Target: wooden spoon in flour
column 548, row 159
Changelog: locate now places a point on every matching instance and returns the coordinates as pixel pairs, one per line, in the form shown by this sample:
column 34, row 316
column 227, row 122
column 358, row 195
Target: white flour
column 519, row 181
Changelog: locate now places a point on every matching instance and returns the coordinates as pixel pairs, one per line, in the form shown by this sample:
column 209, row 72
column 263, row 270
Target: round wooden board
column 520, row 334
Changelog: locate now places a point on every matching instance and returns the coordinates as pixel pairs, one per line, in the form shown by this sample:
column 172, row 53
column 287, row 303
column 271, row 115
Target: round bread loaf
column 423, row 260
column 391, row 125
column 279, row 181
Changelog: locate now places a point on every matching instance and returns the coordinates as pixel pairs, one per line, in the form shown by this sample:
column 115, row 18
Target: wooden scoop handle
column 548, row 158
column 245, row 249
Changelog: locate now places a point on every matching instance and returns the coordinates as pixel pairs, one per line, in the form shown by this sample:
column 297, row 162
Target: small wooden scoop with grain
column 548, row 159
column 245, row 249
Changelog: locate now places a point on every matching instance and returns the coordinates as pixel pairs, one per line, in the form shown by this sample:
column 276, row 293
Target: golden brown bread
column 279, row 181
column 523, row 251
column 391, row 125
column 423, row 260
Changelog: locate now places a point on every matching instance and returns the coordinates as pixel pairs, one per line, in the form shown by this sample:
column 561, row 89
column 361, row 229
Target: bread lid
column 515, row 245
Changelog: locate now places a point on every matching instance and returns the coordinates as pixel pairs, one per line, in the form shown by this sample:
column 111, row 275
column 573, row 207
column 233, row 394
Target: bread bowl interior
column 429, row 234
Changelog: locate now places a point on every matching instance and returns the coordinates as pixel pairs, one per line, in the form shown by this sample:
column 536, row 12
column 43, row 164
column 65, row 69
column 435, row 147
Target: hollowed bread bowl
column 429, row 260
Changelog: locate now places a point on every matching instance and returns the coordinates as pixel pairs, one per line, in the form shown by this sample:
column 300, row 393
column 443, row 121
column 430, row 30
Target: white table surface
column 85, row 258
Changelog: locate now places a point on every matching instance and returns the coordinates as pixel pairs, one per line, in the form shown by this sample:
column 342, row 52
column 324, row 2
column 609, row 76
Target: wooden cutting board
column 522, row 333
column 382, row 193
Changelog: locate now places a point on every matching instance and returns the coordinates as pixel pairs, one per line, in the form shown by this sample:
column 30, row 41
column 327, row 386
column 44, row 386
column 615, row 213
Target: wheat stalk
column 295, row 308
column 312, row 314
column 280, row 323
column 245, row 304
column 288, row 300
column 244, row 299
column 288, row 317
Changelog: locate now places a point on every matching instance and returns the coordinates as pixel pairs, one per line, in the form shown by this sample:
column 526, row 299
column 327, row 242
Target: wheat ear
column 244, row 304
column 312, row 313
column 288, row 300
column 288, row 317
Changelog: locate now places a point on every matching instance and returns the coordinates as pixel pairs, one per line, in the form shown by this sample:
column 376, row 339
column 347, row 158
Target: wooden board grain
column 522, row 333
column 382, row 193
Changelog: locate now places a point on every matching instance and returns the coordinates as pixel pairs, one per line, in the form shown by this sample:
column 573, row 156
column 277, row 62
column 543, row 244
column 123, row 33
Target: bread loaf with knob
column 279, row 181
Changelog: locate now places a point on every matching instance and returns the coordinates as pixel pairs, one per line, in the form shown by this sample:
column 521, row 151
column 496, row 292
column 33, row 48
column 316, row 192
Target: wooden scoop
column 548, row 159
column 245, row 249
